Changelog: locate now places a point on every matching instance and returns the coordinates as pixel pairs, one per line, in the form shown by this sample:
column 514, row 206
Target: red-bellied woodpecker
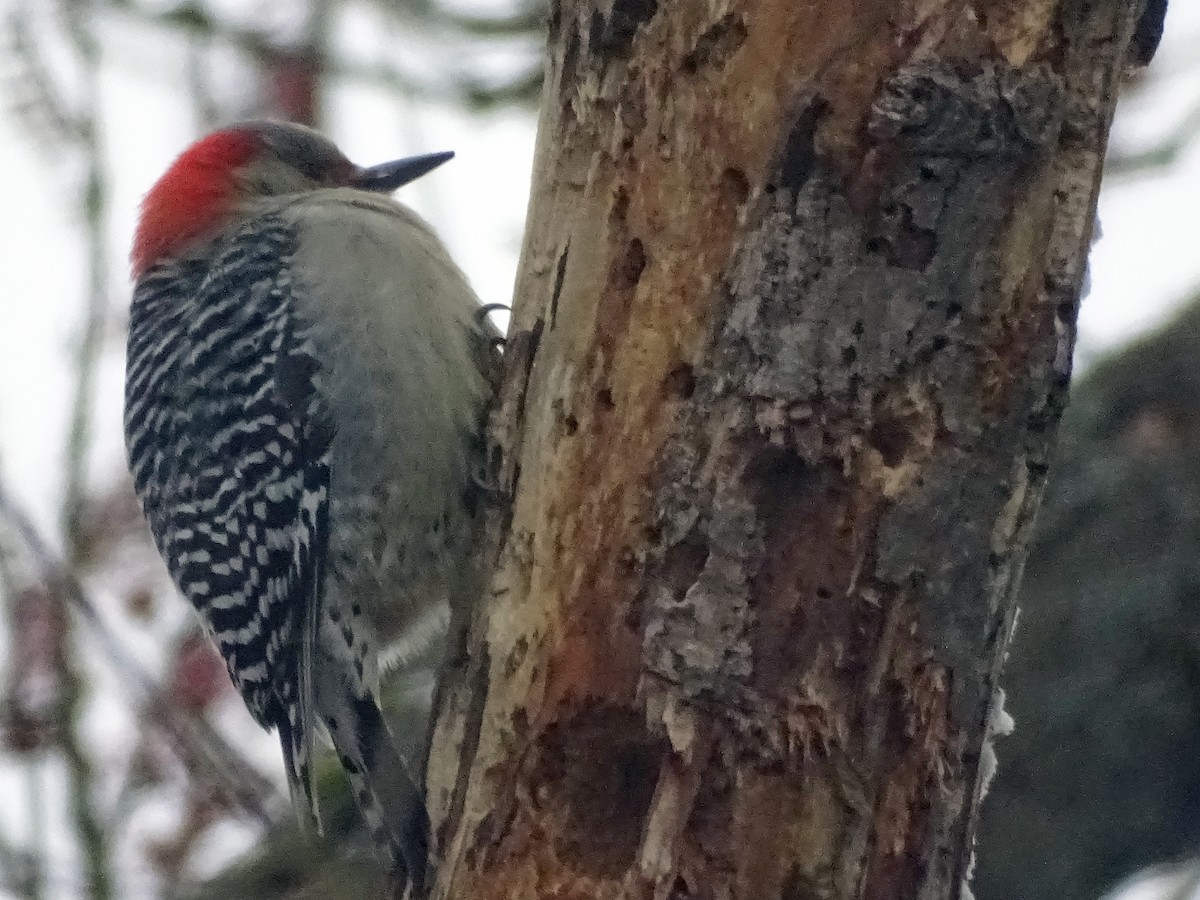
column 305, row 385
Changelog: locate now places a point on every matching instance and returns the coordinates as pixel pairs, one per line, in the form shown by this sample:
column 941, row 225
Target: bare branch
column 454, row 87
column 198, row 744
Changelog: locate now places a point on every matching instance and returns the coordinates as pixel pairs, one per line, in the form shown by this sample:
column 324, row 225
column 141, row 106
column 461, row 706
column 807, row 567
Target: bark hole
column 620, row 209
column 904, row 243
column 732, row 191
column 799, row 885
column 613, row 39
column 799, row 149
column 627, row 269
column 683, row 564
column 780, row 477
column 892, row 438
column 560, row 272
column 680, row 890
column 597, row 770
column 570, row 66
column 715, row 46
column 681, row 382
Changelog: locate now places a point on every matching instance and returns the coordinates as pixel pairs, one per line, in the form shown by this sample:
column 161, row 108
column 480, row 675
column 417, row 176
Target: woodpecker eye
column 306, row 151
column 339, row 173
column 323, row 168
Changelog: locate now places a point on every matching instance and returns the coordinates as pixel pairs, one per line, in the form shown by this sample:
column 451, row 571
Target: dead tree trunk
column 790, row 342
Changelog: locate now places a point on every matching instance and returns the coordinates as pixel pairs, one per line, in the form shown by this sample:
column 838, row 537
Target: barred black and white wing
column 234, row 456
column 229, row 449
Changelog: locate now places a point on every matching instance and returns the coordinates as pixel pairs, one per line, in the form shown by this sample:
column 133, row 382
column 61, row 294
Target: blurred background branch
column 50, row 585
column 506, row 46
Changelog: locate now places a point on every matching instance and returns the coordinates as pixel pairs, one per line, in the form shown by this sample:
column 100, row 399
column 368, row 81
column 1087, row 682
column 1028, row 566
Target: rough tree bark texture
column 790, row 343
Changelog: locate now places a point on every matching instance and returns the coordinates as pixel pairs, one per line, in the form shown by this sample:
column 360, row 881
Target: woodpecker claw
column 496, row 341
column 490, row 490
column 487, row 309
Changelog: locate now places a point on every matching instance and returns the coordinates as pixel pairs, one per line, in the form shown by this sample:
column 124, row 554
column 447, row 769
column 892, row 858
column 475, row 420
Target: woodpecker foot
column 496, row 341
column 486, row 309
column 489, row 491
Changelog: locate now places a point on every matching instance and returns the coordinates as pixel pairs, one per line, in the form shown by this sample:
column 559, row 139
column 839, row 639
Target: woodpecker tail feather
column 297, row 726
column 298, row 722
column 384, row 790
column 296, row 739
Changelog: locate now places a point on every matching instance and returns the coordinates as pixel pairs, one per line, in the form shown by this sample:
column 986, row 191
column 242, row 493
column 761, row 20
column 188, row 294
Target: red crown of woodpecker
column 202, row 190
column 194, row 197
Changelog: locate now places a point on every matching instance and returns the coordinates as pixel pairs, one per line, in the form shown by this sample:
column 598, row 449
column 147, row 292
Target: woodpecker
column 306, row 377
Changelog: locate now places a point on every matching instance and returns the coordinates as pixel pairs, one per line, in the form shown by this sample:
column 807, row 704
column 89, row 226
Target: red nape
column 193, row 197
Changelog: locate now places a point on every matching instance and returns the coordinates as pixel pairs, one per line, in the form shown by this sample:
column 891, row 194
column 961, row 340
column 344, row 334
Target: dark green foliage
column 1102, row 775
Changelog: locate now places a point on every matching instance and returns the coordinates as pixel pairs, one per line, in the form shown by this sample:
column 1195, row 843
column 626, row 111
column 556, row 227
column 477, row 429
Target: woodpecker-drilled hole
column 716, row 45
column 604, row 400
column 614, row 38
column 594, row 777
column 516, row 657
column 681, row 381
column 800, row 885
column 595, row 31
column 799, row 155
column 627, row 269
column 683, row 563
column 620, row 209
column 779, row 476
column 892, row 439
column 570, row 63
column 733, row 186
column 560, row 272
column 913, row 247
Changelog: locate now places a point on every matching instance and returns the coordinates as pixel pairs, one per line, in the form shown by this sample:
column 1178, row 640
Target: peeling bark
column 790, row 342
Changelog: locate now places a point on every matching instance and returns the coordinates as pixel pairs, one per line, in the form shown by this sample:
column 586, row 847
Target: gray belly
column 392, row 564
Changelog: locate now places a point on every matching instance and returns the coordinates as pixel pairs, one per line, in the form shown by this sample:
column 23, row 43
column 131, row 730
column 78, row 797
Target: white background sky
column 1146, row 263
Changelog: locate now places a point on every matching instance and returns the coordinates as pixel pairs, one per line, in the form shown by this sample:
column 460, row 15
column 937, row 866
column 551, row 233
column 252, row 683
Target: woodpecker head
column 218, row 179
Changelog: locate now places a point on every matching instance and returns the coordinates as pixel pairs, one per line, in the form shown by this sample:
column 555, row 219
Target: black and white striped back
column 229, row 452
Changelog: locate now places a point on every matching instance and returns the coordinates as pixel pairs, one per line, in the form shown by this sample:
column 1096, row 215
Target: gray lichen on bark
column 835, row 377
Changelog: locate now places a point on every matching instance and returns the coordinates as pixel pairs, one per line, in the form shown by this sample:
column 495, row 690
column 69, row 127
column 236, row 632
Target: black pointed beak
column 388, row 176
